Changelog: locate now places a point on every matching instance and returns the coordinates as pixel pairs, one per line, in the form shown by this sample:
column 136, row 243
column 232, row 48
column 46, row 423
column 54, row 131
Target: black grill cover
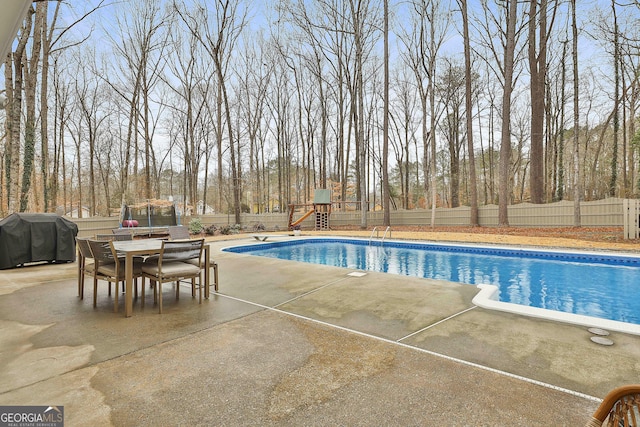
column 28, row 238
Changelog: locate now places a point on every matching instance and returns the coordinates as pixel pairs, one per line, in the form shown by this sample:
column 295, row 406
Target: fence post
column 631, row 212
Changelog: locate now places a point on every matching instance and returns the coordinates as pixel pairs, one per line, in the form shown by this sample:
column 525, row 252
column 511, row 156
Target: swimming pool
column 602, row 286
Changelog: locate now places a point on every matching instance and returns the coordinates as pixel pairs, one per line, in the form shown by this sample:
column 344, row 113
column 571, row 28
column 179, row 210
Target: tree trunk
column 432, row 120
column 359, row 121
column 235, row 184
column 386, row 221
column 31, row 83
column 14, row 86
column 560, row 186
column 473, row 186
column 538, row 69
column 49, row 203
column 616, row 103
column 505, row 138
column 576, row 121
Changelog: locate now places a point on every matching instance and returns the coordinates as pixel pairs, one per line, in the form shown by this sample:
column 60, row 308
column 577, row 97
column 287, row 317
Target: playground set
column 151, row 218
column 152, row 213
column 321, row 207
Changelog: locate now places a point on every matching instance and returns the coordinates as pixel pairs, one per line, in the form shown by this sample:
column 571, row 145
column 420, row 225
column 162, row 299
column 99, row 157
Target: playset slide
column 302, row 218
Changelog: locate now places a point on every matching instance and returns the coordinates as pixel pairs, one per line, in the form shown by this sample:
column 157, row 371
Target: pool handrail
column 385, row 233
column 371, row 235
column 375, row 230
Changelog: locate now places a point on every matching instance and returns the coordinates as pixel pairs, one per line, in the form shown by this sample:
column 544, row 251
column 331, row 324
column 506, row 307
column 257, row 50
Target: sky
column 102, row 24
column 103, row 21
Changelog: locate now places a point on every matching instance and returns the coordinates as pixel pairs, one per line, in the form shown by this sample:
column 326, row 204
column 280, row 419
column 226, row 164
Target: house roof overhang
column 13, row 12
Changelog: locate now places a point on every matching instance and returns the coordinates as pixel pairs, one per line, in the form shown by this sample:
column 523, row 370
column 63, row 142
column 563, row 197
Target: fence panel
column 631, row 219
column 612, row 212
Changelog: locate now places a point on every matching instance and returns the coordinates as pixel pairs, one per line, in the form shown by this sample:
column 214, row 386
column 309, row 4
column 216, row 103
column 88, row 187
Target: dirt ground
column 591, row 238
column 586, row 238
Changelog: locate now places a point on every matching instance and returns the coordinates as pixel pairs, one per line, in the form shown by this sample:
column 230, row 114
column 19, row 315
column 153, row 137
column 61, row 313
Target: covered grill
column 26, row 238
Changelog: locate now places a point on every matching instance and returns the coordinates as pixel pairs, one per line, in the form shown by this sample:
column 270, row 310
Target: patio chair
column 178, row 232
column 214, row 265
column 122, row 231
column 115, row 237
column 122, row 237
column 201, row 263
column 620, row 408
column 85, row 263
column 174, row 264
column 108, row 267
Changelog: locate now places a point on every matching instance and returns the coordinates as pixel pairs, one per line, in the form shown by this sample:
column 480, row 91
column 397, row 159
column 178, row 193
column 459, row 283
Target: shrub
column 195, row 226
column 210, row 230
column 231, row 229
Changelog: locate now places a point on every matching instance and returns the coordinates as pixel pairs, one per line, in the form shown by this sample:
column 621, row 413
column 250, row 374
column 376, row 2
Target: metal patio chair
column 115, row 237
column 181, row 232
column 178, row 260
column 85, row 263
column 178, row 232
column 108, row 267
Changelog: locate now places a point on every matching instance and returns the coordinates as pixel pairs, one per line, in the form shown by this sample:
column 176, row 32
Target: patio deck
column 292, row 344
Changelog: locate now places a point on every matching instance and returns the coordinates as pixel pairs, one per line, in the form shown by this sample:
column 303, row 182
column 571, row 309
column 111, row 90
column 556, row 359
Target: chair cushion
column 110, row 269
column 88, row 268
column 194, row 261
column 171, row 269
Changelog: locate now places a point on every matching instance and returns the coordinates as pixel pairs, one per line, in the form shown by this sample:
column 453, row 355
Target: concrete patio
column 292, row 344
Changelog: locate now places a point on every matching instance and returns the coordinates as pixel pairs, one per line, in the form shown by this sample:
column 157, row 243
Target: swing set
column 321, row 207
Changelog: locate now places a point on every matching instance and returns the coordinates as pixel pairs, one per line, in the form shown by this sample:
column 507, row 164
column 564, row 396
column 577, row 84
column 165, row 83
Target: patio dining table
column 148, row 247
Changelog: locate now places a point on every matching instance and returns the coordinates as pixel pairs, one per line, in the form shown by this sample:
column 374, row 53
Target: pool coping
column 487, row 296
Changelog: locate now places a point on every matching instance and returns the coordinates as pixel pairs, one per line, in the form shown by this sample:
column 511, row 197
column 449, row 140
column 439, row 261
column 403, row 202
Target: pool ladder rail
column 377, row 233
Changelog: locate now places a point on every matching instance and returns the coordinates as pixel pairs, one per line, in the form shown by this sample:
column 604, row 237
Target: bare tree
column 505, row 139
column 14, row 87
column 140, row 43
column 192, row 80
column 577, row 192
column 539, row 30
column 219, row 35
column 89, row 99
column 473, row 186
column 25, row 75
column 616, row 101
column 52, row 44
column 254, row 77
column 504, row 61
column 319, row 33
column 385, row 125
column 61, row 95
column 422, row 46
column 403, row 117
column 30, row 70
column 450, row 91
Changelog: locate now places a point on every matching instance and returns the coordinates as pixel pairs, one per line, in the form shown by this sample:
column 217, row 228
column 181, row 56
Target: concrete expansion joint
column 425, row 351
column 310, row 292
column 437, row 323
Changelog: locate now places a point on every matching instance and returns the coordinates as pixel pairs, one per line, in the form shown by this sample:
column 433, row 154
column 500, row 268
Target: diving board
column 264, row 237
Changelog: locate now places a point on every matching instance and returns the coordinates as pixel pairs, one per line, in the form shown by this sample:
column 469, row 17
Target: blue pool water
column 604, row 286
